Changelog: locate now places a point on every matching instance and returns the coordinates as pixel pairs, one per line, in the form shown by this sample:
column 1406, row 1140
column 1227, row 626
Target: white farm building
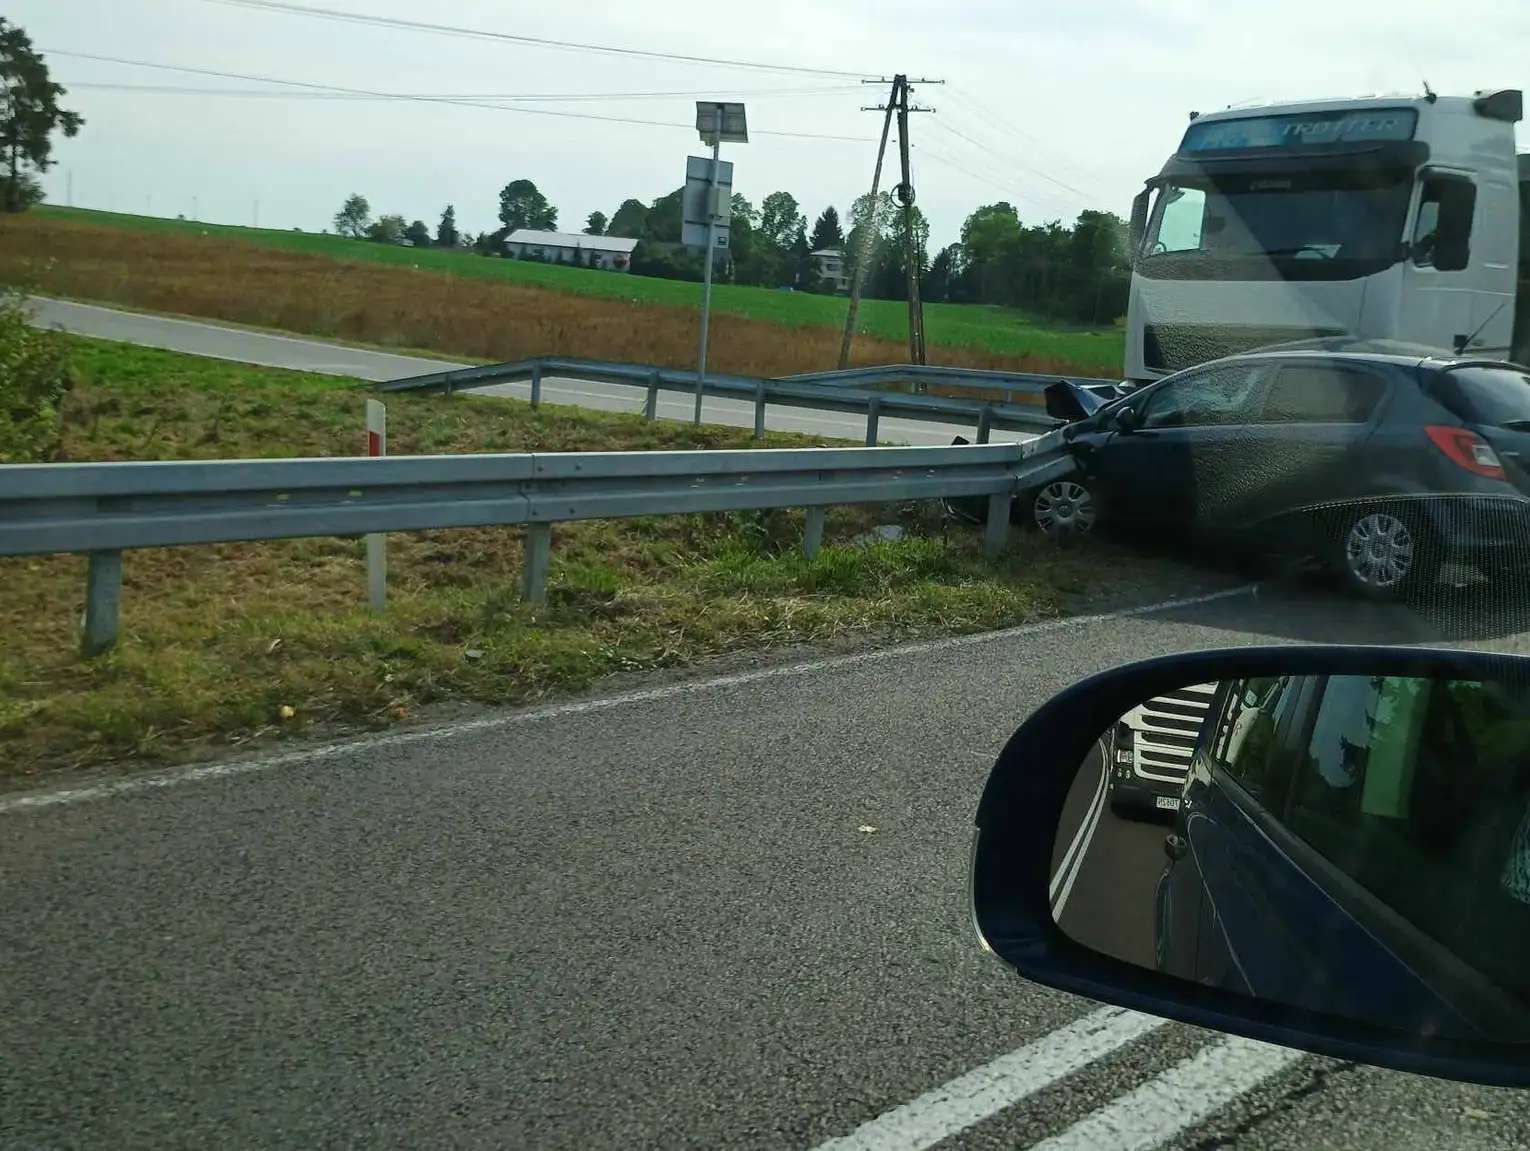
column 613, row 253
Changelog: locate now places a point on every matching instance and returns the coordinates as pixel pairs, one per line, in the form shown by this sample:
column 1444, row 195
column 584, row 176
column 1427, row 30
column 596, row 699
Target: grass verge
column 464, row 304
column 230, row 644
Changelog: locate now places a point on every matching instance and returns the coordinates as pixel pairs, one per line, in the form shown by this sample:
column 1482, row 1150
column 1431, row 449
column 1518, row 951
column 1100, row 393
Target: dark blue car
column 1382, row 461
column 1358, row 847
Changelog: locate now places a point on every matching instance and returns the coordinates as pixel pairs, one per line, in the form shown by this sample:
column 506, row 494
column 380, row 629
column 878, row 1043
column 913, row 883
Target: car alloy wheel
column 1065, row 507
column 1380, row 552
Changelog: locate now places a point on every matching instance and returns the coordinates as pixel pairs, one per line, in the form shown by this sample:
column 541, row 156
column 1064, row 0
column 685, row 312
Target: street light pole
column 711, row 258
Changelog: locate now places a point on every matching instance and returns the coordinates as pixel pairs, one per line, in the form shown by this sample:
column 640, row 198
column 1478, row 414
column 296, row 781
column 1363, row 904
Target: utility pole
column 897, row 102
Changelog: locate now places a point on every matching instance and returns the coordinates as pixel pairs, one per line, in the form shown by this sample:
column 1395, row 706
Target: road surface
column 727, row 913
column 307, row 355
column 1110, row 868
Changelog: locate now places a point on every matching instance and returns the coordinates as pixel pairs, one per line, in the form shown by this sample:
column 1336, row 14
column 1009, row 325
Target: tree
column 781, row 219
column 630, row 220
column 446, row 232
column 522, row 205
column 827, row 232
column 871, row 228
column 29, row 115
column 387, row 230
column 354, row 218
column 595, row 224
column 418, row 234
column 665, row 218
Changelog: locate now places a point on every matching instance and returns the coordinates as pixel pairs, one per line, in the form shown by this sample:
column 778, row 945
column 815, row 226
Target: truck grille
column 1170, row 347
column 1164, row 732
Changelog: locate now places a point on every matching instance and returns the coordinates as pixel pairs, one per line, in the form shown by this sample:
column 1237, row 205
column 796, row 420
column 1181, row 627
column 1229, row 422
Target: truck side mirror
column 1138, row 225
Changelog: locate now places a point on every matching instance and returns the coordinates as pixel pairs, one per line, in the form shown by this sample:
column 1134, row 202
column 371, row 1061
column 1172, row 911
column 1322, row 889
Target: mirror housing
column 1137, row 227
column 1022, row 808
column 1126, row 419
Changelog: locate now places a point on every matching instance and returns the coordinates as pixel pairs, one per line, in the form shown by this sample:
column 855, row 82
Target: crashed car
column 1384, row 463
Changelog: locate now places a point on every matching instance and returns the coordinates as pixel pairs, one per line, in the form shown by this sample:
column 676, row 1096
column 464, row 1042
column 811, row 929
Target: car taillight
column 1466, row 449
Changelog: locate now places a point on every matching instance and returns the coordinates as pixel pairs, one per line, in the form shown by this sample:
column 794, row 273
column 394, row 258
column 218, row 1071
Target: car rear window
column 1492, row 396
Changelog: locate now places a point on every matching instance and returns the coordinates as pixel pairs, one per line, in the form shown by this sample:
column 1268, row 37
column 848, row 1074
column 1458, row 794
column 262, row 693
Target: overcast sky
column 1053, row 106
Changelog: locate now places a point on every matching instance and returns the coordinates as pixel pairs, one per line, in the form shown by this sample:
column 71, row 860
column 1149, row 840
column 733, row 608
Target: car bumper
column 1486, row 532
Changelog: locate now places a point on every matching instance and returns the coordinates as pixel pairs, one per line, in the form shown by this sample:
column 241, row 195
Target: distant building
column 613, row 253
column 833, row 267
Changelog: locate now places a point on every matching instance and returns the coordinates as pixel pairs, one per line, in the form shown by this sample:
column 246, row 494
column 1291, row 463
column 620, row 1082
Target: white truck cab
column 1380, row 218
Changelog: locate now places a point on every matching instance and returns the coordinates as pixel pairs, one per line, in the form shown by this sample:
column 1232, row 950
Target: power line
column 995, row 180
column 1022, row 167
column 354, row 92
column 993, row 120
column 546, row 98
column 532, row 41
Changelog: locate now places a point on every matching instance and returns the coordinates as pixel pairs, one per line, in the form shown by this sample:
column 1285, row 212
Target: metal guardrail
column 854, row 391
column 103, row 509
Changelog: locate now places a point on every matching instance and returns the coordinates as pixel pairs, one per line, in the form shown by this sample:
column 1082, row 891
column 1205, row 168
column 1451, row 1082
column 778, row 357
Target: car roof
column 1393, row 352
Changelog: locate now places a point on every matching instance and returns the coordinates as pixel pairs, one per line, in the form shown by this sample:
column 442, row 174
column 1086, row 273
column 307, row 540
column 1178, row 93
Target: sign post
column 377, row 543
column 715, row 122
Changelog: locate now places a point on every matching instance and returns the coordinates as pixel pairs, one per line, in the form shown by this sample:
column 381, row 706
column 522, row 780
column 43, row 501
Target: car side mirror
column 1126, row 419
column 1320, row 938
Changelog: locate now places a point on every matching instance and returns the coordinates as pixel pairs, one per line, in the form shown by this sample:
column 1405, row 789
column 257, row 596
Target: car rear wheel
column 1385, row 555
column 1063, row 507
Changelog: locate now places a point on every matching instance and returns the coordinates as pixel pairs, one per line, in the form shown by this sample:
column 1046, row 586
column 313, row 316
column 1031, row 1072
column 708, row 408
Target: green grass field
column 228, row 643
column 955, row 325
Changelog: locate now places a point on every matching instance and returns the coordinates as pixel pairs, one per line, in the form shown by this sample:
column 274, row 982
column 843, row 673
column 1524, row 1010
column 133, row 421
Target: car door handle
column 1175, row 846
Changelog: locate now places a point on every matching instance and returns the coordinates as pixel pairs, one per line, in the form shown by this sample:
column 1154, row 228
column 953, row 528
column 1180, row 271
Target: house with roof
column 612, row 253
column 833, row 268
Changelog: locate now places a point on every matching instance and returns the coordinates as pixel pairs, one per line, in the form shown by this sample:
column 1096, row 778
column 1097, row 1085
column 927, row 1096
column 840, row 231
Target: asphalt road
column 306, row 355
column 719, row 914
column 1109, row 869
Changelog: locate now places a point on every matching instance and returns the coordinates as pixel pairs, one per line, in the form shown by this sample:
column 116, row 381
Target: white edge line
column 985, row 1091
column 108, row 789
column 1176, row 1100
column 1091, row 826
column 1078, row 836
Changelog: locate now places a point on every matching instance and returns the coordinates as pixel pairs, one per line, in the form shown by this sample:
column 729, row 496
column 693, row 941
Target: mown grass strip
column 227, row 644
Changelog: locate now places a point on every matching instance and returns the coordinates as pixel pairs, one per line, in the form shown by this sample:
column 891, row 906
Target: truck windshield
column 1337, row 219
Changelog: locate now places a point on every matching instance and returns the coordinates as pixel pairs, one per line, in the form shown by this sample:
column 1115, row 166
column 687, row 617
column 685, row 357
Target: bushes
column 35, row 377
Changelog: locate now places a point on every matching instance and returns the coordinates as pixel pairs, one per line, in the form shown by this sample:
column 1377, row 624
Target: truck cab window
column 1181, row 221
column 1442, row 230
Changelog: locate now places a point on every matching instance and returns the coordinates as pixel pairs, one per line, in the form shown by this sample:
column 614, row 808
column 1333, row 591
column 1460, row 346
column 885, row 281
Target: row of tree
column 1078, row 273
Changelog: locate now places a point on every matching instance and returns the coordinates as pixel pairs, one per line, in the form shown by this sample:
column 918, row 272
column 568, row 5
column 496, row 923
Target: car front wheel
column 1064, row 507
column 1385, row 555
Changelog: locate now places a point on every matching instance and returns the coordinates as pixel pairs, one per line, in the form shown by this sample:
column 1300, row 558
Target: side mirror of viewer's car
column 1326, row 848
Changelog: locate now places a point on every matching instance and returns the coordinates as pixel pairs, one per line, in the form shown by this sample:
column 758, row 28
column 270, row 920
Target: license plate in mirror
column 1168, row 802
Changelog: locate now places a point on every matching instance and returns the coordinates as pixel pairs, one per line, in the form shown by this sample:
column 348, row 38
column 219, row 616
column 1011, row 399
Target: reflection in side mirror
column 1356, row 846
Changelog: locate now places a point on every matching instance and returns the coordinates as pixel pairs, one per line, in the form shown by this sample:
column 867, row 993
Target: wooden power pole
column 897, row 102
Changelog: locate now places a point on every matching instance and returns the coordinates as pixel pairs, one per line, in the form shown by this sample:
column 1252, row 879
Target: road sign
column 697, row 205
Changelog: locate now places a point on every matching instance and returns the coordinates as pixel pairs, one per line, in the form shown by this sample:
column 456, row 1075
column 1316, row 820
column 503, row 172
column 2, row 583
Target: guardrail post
column 759, row 410
column 985, row 424
column 103, row 602
column 536, row 385
column 538, row 560
column 651, row 406
column 873, row 417
column 997, row 530
column 812, row 535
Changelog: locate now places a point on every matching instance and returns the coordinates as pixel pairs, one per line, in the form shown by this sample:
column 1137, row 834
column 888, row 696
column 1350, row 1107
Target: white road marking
column 955, row 1106
column 1080, row 847
column 1178, row 1099
column 32, row 802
